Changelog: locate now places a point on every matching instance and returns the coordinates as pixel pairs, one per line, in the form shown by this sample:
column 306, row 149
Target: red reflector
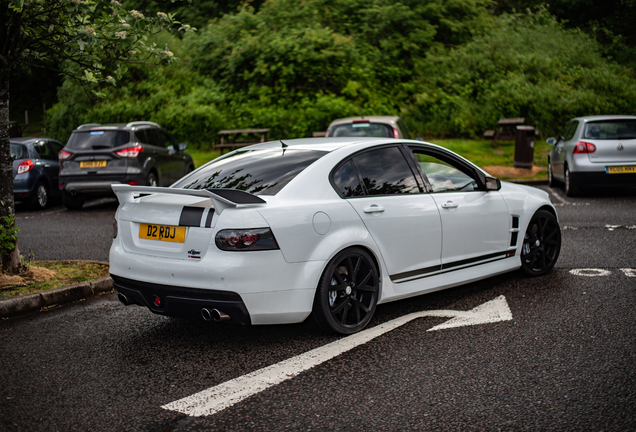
column 133, row 183
column 25, row 166
column 131, row 152
column 61, row 186
column 361, row 121
column 157, row 301
column 396, row 134
column 23, row 194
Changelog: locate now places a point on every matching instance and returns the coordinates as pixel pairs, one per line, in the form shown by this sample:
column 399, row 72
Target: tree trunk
column 11, row 261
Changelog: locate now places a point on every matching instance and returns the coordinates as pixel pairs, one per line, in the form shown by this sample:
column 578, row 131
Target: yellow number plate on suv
column 92, row 164
column 162, row 232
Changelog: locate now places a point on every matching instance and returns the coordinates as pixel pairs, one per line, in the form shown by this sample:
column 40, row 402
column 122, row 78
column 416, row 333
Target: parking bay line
column 222, row 396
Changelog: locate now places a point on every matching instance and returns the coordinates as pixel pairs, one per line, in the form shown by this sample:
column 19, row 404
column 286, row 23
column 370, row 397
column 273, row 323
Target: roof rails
column 141, row 123
column 88, row 125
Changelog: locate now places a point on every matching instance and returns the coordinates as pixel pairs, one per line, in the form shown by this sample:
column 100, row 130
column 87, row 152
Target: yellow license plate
column 621, row 169
column 162, row 232
column 92, row 164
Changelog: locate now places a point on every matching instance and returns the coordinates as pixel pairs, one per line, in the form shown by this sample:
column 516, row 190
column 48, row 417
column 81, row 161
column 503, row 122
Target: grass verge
column 45, row 275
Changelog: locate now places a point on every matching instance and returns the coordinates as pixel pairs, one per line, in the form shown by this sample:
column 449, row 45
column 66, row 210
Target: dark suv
column 138, row 153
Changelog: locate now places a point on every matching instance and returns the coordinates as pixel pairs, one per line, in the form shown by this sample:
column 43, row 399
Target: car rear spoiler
column 221, row 198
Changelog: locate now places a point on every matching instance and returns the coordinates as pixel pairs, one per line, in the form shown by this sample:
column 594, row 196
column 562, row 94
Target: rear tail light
column 131, row 152
column 396, row 134
column 64, row 155
column 246, row 240
column 584, row 147
column 132, row 182
column 25, row 166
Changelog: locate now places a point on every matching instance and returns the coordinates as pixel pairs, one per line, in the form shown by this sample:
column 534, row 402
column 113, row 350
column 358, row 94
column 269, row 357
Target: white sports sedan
column 329, row 227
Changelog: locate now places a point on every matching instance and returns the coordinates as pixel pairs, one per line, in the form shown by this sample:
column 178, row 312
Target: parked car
column 97, row 156
column 592, row 152
column 274, row 232
column 369, row 126
column 35, row 170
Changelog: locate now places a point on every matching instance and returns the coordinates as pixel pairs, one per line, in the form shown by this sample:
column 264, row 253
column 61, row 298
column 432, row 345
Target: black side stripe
column 191, row 216
column 208, row 219
column 448, row 267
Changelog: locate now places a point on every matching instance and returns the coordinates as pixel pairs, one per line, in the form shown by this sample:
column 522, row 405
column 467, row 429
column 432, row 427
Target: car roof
column 329, row 144
column 373, row 119
column 116, row 126
column 605, row 117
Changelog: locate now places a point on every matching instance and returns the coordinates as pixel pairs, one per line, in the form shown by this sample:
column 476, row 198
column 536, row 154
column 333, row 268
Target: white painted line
column 559, row 197
column 612, row 227
column 215, row 399
column 629, row 272
column 591, row 272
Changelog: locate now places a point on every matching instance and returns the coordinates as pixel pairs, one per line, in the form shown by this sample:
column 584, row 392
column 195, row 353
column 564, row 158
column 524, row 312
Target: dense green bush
column 449, row 68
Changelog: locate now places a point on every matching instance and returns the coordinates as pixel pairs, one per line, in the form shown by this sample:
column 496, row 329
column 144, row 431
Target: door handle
column 449, row 205
column 374, row 209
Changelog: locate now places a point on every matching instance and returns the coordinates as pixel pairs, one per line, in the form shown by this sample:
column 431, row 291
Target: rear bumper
column 602, row 179
column 95, row 187
column 182, row 302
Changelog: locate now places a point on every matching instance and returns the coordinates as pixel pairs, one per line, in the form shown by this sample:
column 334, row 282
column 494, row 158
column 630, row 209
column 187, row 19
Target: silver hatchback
column 594, row 152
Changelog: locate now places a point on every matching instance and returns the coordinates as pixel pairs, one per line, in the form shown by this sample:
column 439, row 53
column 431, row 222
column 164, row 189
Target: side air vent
column 514, row 231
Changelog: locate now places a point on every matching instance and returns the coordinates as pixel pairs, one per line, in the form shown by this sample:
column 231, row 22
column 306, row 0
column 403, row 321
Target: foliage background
column 448, row 67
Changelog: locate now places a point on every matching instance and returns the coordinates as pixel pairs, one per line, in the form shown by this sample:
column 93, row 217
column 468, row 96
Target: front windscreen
column 363, row 129
column 97, row 139
column 259, row 172
column 610, row 130
column 18, row 151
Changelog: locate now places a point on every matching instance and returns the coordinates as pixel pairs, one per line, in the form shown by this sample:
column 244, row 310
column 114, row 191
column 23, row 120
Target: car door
column 48, row 162
column 400, row 216
column 475, row 222
column 177, row 164
column 154, row 148
column 560, row 149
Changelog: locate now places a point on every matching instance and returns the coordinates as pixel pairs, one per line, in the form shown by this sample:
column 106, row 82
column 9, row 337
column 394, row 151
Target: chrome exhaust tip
column 123, row 299
column 219, row 316
column 206, row 314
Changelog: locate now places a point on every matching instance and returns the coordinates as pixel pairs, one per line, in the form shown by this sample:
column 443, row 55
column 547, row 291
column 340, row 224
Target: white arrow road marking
column 215, row 399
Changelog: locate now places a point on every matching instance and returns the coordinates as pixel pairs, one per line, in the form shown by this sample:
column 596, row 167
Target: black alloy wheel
column 541, row 244
column 348, row 292
column 40, row 197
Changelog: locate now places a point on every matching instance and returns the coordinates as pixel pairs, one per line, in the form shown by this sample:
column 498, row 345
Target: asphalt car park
column 565, row 361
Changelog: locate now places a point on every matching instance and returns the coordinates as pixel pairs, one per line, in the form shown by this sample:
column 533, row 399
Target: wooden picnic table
column 231, row 139
column 506, row 130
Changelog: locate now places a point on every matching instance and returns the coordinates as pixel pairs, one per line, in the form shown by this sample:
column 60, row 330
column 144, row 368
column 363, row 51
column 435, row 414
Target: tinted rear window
column 18, row 151
column 260, row 172
column 377, row 130
column 610, row 130
column 97, row 140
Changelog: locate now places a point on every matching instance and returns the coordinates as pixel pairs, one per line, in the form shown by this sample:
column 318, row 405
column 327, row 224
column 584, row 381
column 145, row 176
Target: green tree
column 92, row 40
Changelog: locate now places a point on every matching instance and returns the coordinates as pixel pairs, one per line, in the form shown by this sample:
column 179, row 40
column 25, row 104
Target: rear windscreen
column 377, row 130
column 610, row 130
column 18, row 151
column 259, row 172
column 97, row 140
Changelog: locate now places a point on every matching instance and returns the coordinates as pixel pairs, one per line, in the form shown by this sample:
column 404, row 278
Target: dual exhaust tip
column 207, row 314
column 214, row 315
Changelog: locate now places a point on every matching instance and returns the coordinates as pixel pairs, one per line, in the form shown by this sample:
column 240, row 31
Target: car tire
column 72, row 202
column 348, row 292
column 152, row 180
column 40, row 198
column 541, row 244
column 571, row 189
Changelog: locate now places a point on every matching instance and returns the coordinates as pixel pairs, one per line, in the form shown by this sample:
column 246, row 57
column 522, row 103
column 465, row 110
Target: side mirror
column 419, row 139
column 182, row 146
column 551, row 141
column 493, row 184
